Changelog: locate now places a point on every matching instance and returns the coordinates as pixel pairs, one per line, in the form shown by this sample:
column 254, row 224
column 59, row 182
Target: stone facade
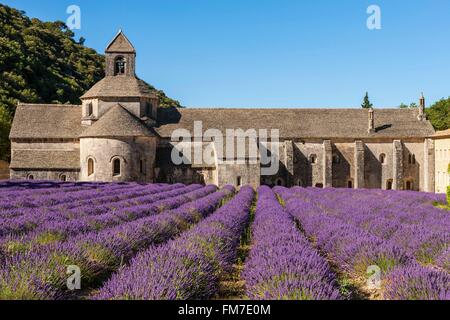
column 442, row 160
column 120, row 134
column 134, row 153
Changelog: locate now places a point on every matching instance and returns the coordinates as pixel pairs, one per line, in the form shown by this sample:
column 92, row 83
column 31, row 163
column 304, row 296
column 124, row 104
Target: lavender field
column 180, row 242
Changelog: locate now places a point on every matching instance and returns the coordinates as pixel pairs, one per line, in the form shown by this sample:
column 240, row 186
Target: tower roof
column 120, row 86
column 117, row 122
column 120, row 44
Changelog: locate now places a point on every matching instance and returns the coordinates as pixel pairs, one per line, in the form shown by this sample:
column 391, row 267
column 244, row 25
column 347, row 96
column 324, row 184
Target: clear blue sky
column 274, row 53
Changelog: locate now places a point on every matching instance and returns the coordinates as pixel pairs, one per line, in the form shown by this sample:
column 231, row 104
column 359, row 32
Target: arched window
column 30, row 177
column 412, row 159
column 90, row 167
column 279, row 182
column 89, row 109
column 350, row 184
column 409, row 185
column 120, row 65
column 116, row 167
column 313, row 159
column 389, row 184
column 382, row 158
column 63, row 178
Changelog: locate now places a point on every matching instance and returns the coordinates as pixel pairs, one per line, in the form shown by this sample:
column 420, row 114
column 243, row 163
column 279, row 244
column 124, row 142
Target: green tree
column 41, row 62
column 410, row 106
column 5, row 126
column 366, row 102
column 439, row 114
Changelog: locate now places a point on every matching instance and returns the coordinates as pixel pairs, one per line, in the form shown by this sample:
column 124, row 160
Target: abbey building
column 119, row 133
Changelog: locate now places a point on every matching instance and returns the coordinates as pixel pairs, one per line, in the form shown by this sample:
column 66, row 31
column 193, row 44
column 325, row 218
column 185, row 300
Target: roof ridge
column 128, row 43
column 293, row 108
column 21, row 104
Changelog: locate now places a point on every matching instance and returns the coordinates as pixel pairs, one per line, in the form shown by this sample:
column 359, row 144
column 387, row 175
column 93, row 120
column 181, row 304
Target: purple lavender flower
column 282, row 263
column 415, row 282
column 188, row 267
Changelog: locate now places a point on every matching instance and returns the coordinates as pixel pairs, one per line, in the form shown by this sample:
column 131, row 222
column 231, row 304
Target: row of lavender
column 140, row 235
column 409, row 221
column 190, row 266
column 51, row 232
column 17, row 205
column 353, row 248
column 17, row 198
column 94, row 215
column 38, row 271
column 282, row 264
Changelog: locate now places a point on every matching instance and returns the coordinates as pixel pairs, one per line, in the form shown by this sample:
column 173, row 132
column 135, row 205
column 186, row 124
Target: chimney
column 421, row 115
column 371, row 121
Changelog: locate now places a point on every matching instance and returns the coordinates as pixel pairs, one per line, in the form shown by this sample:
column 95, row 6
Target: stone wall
column 46, row 174
column 307, row 173
column 136, row 106
column 373, row 164
column 130, row 67
column 248, row 173
column 413, row 171
column 442, row 161
column 377, row 174
column 70, row 175
column 343, row 164
column 167, row 172
column 130, row 152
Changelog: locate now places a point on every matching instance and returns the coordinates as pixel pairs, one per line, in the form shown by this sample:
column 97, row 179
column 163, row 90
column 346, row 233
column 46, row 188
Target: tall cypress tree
column 366, row 103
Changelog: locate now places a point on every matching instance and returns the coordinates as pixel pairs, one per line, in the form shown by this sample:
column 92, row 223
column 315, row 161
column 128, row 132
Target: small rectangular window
column 148, row 109
column 142, row 167
column 239, row 181
column 89, row 109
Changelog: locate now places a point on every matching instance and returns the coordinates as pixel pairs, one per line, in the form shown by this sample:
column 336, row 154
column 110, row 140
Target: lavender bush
column 415, row 282
column 282, row 264
column 188, row 267
column 356, row 236
column 159, row 241
column 97, row 254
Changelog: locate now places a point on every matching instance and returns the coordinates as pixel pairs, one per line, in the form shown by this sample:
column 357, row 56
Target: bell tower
column 120, row 57
column 120, row 86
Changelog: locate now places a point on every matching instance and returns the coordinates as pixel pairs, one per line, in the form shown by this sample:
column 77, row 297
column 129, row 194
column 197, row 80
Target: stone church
column 120, row 134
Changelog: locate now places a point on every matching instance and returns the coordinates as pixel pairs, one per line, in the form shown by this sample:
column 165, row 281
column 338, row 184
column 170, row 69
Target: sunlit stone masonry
column 119, row 133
